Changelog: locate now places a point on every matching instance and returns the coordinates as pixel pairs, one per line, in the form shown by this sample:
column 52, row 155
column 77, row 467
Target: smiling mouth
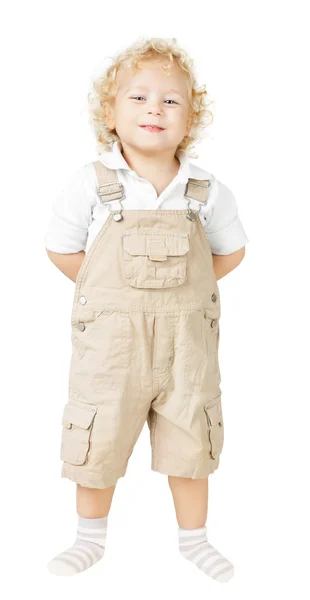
column 152, row 128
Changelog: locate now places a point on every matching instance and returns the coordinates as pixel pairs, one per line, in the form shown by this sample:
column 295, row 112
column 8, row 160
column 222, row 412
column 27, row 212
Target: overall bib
column 145, row 340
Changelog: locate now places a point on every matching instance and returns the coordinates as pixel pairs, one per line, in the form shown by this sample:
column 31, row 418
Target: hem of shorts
column 158, row 464
column 87, row 479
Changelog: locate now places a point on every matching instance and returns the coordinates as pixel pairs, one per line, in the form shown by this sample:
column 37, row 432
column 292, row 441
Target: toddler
column 145, row 235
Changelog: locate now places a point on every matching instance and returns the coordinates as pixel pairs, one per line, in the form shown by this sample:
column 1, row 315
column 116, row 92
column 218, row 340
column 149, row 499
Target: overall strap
column 197, row 189
column 109, row 187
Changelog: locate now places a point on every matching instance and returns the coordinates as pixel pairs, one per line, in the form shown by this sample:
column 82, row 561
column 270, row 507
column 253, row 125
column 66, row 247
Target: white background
column 252, row 58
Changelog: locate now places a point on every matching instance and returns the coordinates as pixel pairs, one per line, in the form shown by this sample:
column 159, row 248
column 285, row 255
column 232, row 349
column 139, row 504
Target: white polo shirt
column 78, row 214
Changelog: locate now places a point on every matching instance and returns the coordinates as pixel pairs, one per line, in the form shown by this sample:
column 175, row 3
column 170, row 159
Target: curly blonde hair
column 144, row 50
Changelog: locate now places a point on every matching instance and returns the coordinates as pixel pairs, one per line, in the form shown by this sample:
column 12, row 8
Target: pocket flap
column 157, row 246
column 82, row 416
column 214, row 411
column 86, row 316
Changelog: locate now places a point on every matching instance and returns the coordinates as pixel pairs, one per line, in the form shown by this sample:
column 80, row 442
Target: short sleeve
column 67, row 230
column 223, row 226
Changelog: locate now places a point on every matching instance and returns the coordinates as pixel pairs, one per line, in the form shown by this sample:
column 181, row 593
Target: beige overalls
column 145, row 338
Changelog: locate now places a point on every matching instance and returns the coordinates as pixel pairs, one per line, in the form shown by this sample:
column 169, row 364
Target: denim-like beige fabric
column 145, row 340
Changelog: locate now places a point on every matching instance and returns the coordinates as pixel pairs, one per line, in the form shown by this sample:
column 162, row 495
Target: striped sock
column 88, row 548
column 194, row 545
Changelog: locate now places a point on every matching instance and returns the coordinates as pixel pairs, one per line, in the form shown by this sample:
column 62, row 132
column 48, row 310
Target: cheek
column 179, row 118
column 127, row 116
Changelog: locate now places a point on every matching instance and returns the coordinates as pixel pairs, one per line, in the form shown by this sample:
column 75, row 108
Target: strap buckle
column 204, row 183
column 115, row 189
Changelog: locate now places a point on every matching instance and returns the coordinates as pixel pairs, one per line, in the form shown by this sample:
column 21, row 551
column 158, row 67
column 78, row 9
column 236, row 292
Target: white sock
column 87, row 550
column 194, row 545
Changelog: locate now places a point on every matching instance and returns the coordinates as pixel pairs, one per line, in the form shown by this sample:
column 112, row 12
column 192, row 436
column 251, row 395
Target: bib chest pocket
column 155, row 259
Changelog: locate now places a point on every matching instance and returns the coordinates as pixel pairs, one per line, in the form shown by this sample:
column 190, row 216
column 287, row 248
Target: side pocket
column 212, row 338
column 215, row 426
column 78, row 345
column 77, row 422
column 82, row 326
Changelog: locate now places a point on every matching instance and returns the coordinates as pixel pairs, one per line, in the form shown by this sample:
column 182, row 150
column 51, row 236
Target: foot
column 194, row 546
column 88, row 549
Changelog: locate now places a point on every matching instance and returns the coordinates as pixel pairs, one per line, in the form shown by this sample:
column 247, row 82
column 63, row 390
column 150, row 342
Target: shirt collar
column 115, row 160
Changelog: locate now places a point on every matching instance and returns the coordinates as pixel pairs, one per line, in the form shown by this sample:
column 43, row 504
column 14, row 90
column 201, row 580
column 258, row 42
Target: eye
column 138, row 97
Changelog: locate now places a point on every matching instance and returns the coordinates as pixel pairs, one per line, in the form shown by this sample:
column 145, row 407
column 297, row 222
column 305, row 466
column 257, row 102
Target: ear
column 109, row 115
column 189, row 124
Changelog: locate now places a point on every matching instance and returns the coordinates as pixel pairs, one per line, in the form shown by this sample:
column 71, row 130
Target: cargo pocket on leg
column 77, row 422
column 215, row 427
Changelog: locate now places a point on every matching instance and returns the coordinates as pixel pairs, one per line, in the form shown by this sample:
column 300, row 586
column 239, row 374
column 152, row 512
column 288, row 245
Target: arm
column 69, row 264
column 66, row 236
column 224, row 263
column 224, row 230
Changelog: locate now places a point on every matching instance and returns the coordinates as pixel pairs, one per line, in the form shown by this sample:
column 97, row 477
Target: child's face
column 146, row 97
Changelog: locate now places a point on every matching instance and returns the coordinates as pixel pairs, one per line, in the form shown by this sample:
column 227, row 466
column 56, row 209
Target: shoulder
column 198, row 172
column 222, row 223
column 79, row 192
column 84, row 178
column 89, row 173
column 86, row 174
column 79, row 178
column 216, row 188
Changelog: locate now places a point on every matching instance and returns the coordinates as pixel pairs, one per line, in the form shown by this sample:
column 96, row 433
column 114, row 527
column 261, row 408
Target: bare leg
column 190, row 498
column 93, row 506
column 93, row 503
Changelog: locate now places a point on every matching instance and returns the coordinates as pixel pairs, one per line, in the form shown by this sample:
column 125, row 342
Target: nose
column 154, row 111
column 154, row 108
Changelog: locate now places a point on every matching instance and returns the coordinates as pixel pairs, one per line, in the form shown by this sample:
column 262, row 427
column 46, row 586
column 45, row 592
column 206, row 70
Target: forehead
column 157, row 73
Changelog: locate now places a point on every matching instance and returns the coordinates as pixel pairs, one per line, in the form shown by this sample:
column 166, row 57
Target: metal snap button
column 213, row 297
column 83, row 300
column 81, row 326
column 68, row 425
column 213, row 322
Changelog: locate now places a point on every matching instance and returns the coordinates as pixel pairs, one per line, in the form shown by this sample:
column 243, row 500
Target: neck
column 151, row 166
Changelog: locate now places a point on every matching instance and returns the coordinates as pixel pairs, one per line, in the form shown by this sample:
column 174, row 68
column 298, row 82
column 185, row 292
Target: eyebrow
column 144, row 87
